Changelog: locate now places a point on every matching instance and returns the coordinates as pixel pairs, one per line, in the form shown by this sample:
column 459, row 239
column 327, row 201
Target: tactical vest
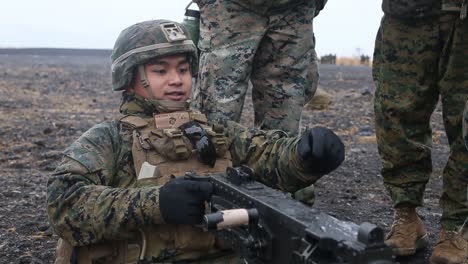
column 159, row 142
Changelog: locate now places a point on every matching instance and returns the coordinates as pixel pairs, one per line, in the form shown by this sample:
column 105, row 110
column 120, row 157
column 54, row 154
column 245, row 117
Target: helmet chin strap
column 144, row 81
column 162, row 106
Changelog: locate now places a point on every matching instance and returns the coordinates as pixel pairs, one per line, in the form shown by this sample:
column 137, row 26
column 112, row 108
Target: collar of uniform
column 133, row 104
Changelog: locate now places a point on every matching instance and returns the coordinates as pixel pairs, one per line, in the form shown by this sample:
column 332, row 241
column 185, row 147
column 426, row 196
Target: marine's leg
column 377, row 56
column 451, row 247
column 284, row 71
column 465, row 126
column 406, row 95
column 229, row 37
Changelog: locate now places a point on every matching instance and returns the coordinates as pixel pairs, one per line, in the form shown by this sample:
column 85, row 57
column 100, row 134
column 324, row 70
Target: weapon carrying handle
column 230, row 218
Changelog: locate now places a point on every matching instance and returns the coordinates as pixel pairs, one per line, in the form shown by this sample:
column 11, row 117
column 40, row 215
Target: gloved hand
column 182, row 201
column 321, row 150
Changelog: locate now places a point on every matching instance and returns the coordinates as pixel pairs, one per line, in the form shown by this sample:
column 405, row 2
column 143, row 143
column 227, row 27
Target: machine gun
column 265, row 225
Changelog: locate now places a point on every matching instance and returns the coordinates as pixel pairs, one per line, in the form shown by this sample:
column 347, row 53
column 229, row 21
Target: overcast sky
column 342, row 28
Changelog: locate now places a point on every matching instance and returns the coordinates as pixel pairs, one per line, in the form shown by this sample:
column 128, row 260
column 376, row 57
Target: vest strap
column 133, row 121
column 199, row 117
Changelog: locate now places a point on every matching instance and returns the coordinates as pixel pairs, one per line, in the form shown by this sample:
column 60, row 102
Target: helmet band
column 148, row 48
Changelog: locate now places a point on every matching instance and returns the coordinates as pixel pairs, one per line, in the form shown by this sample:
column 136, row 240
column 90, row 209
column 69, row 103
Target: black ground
column 47, row 101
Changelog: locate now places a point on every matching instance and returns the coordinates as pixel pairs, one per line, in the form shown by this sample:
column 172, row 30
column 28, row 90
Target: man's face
column 169, row 78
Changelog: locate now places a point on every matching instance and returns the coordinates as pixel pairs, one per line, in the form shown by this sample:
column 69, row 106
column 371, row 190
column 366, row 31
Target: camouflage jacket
column 92, row 195
column 419, row 8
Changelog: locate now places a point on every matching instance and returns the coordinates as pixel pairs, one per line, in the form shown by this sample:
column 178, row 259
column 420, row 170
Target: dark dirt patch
column 46, row 102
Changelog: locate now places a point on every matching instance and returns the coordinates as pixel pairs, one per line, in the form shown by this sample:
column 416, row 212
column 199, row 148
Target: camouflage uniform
column 465, row 124
column 269, row 42
column 94, row 197
column 465, row 138
column 421, row 54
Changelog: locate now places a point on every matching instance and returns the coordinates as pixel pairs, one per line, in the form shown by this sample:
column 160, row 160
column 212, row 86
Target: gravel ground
column 47, row 101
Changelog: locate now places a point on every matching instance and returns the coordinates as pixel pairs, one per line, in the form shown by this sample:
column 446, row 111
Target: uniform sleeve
column 82, row 206
column 272, row 156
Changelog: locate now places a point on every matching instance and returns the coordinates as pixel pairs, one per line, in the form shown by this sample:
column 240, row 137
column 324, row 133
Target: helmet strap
column 144, row 81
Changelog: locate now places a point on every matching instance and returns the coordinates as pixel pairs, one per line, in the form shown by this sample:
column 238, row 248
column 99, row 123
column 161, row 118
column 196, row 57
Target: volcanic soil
column 48, row 99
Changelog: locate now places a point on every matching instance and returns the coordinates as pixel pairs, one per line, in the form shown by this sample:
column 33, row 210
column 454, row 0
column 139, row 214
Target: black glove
column 321, row 150
column 182, row 201
column 200, row 139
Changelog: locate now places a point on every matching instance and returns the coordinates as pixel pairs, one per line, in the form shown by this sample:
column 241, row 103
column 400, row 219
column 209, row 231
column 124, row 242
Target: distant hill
column 55, row 51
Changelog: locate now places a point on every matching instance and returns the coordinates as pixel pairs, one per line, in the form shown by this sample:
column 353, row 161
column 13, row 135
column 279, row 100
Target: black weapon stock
column 278, row 229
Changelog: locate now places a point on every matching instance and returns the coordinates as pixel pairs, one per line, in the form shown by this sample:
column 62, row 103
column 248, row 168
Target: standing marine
column 421, row 55
column 118, row 195
column 269, row 42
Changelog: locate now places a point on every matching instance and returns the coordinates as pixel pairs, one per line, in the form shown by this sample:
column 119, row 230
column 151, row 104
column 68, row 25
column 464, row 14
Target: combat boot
column 451, row 248
column 408, row 233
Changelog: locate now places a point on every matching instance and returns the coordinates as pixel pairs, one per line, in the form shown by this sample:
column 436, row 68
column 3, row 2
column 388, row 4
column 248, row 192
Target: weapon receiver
column 265, row 225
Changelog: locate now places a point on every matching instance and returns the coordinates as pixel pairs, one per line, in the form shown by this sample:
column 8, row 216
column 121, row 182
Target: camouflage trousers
column 415, row 62
column 275, row 50
column 465, row 126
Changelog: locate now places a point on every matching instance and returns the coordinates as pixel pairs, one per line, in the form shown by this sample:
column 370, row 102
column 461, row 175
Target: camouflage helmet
column 144, row 41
